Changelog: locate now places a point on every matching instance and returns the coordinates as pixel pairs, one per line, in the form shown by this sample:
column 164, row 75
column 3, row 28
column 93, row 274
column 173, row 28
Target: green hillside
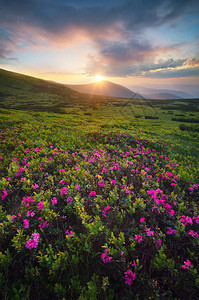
column 26, row 92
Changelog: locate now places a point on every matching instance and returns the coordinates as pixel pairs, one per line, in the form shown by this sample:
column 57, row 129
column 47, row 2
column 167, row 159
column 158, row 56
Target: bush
column 111, row 220
column 184, row 127
column 185, row 120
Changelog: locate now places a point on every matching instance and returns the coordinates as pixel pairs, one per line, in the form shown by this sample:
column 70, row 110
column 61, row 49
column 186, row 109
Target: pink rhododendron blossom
column 30, row 214
column 4, row 194
column 128, row 191
column 149, row 232
column 105, row 210
column 78, row 187
column 134, row 264
column 142, row 220
column 25, row 223
column 69, row 233
column 35, row 186
column 27, row 200
column 129, row 277
column 159, row 242
column 40, row 205
column 92, row 193
column 186, row 220
column 69, row 199
column 62, row 181
column 63, row 191
column 13, row 217
column 187, row 264
column 105, row 257
column 172, row 212
column 196, row 219
column 138, row 238
column 171, row 231
column 101, row 183
column 43, row 224
column 54, row 200
column 194, row 234
column 33, row 242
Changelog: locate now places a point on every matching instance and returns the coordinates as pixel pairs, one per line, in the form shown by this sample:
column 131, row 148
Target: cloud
column 114, row 28
column 101, row 20
column 166, row 68
column 188, row 72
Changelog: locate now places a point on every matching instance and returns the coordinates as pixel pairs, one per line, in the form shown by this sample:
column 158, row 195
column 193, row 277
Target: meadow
column 100, row 201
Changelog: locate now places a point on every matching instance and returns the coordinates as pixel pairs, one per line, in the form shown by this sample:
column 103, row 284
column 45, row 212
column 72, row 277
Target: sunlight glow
column 98, row 77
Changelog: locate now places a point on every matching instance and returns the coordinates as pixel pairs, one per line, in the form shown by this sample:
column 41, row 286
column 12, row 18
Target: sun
column 98, row 77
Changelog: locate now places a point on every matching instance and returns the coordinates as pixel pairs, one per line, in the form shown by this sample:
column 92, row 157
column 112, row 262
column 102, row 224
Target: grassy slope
column 24, row 92
column 21, row 91
column 72, row 131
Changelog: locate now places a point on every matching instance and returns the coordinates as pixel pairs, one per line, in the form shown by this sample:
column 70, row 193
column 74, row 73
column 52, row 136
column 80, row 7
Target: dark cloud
column 114, row 27
column 56, row 16
column 123, row 52
column 188, row 72
column 166, row 69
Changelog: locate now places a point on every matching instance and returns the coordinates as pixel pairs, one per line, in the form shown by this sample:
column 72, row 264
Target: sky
column 151, row 43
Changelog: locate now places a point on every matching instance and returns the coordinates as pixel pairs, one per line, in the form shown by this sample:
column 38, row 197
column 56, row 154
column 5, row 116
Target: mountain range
column 26, row 92
column 106, row 88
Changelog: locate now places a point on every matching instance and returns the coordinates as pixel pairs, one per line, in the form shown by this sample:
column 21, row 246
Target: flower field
column 95, row 213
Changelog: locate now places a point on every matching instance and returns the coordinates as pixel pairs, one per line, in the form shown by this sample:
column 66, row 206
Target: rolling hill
column 106, row 88
column 19, row 91
column 26, row 92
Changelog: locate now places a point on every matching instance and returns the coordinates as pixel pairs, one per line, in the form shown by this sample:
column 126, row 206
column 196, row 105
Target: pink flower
column 113, row 181
column 78, row 187
column 105, row 210
column 29, row 213
column 138, row 238
column 62, row 181
column 194, row 234
column 13, row 217
column 129, row 277
column 69, row 199
column 159, row 242
column 92, row 193
column 4, row 194
column 33, row 242
column 105, row 258
column 44, row 224
column 54, row 200
column 40, row 205
column 62, row 171
column 187, row 264
column 101, row 183
column 149, row 232
column 128, row 191
column 35, row 186
column 134, row 264
column 142, row 220
column 27, row 200
column 69, row 233
column 25, row 223
column 172, row 212
column 64, row 190
column 171, row 231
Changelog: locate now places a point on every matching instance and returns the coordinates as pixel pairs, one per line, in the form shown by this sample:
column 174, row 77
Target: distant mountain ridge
column 151, row 93
column 162, row 96
column 106, row 88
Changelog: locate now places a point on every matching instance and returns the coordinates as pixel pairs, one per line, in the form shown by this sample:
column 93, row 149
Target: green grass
column 83, row 134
